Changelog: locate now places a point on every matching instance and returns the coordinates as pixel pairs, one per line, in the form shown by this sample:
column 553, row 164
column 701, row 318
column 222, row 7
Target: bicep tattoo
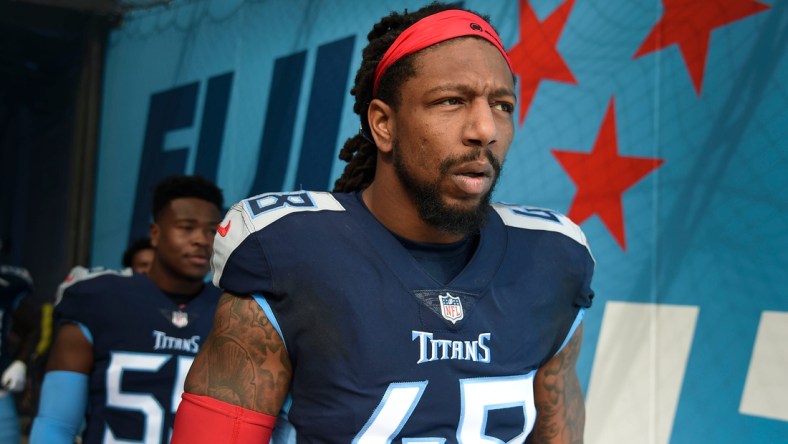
column 243, row 361
column 560, row 406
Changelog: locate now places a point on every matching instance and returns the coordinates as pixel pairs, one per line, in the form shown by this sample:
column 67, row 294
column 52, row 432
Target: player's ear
column 381, row 124
column 154, row 232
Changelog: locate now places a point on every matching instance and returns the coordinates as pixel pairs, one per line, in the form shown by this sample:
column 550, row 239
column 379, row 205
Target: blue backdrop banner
column 659, row 126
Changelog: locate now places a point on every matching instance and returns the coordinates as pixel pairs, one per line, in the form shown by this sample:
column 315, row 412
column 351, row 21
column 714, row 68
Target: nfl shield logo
column 180, row 319
column 451, row 308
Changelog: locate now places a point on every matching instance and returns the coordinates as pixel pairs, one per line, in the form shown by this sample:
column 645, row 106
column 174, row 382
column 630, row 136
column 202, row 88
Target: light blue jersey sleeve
column 64, row 398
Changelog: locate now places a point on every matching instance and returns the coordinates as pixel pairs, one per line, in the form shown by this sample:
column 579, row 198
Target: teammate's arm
column 560, row 409
column 72, row 351
column 22, row 327
column 25, row 326
column 242, row 370
column 64, row 391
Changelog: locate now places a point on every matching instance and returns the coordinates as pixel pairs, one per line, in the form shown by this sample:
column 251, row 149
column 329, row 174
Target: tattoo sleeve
column 243, row 361
column 560, row 408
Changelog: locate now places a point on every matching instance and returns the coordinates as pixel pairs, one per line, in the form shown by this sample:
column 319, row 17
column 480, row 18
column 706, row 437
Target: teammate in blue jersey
column 126, row 340
column 15, row 285
column 403, row 307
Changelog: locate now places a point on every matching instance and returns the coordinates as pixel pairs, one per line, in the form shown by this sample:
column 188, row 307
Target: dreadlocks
column 360, row 151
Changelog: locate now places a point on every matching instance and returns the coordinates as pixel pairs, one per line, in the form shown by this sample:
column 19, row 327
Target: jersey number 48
column 478, row 396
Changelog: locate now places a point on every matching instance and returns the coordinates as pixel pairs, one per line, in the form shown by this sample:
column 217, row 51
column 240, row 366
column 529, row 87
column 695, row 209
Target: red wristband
column 202, row 419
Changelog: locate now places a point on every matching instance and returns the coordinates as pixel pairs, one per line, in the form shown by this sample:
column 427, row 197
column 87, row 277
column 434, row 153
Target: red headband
column 434, row 29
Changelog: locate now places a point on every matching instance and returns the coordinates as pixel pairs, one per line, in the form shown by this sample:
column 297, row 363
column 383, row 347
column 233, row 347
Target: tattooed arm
column 560, row 409
column 243, row 361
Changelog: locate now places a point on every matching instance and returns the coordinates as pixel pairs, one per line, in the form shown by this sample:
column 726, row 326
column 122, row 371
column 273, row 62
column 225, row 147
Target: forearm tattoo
column 559, row 400
column 243, row 361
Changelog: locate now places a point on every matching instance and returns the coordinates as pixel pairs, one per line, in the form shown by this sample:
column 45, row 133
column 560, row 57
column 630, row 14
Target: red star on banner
column 535, row 57
column 602, row 176
column 688, row 23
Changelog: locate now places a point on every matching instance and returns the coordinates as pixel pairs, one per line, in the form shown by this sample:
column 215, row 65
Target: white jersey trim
column 535, row 218
column 80, row 273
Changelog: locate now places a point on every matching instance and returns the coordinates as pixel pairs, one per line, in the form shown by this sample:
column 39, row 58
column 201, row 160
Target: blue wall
column 660, row 128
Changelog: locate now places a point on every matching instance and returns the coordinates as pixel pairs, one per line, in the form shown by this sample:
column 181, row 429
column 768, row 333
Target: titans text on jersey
column 431, row 349
column 164, row 342
column 383, row 352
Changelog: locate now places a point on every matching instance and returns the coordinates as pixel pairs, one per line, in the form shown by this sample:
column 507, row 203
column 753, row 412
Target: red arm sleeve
column 202, row 419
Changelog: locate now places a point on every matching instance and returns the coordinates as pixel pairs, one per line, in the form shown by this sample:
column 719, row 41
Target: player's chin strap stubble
column 434, row 29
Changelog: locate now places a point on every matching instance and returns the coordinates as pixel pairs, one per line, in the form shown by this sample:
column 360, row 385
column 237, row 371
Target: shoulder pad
column 255, row 213
column 264, row 209
column 535, row 218
column 18, row 272
column 80, row 273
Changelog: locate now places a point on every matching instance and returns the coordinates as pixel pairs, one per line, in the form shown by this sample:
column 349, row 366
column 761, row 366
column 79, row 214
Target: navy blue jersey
column 381, row 351
column 15, row 284
column 143, row 346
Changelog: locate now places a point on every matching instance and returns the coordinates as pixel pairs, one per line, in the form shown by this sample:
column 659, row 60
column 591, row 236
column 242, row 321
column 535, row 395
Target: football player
column 15, row 285
column 139, row 255
column 126, row 340
column 403, row 307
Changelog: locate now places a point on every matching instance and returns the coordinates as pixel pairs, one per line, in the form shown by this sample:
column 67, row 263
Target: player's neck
column 169, row 282
column 393, row 208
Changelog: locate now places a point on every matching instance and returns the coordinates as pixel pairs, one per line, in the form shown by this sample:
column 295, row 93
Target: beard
column 431, row 207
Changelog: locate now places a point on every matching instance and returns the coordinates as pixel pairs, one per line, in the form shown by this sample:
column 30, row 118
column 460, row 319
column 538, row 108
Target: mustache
column 451, row 162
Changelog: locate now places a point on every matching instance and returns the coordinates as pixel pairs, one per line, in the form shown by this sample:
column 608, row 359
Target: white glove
column 14, row 376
